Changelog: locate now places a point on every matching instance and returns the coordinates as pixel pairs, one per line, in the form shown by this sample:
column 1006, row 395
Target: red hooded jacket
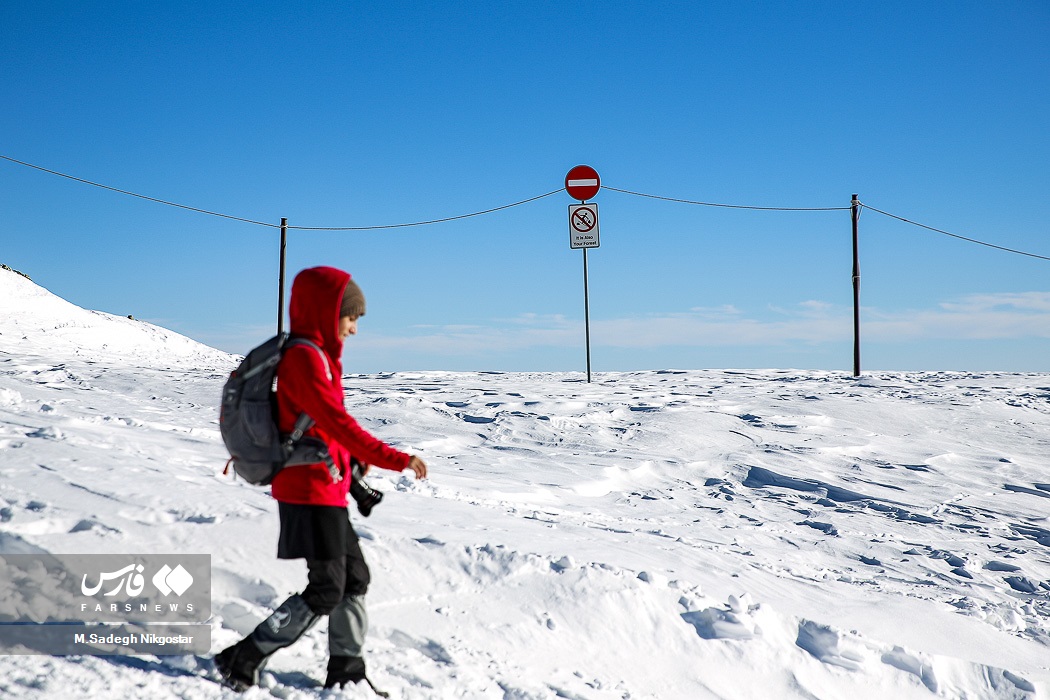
column 304, row 386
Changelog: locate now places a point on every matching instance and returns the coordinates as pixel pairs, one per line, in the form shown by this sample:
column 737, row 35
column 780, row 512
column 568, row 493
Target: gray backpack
column 247, row 418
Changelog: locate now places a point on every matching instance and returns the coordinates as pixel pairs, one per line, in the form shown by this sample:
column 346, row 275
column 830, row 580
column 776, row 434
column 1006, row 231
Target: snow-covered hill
column 33, row 321
column 699, row 534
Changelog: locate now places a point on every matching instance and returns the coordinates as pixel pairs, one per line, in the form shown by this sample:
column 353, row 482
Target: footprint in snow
column 88, row 525
column 49, row 432
column 427, row 647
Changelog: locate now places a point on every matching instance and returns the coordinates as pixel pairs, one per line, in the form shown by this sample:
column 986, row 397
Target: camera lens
column 364, row 495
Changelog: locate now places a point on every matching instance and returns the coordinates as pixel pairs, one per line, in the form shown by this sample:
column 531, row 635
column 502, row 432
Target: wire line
column 272, row 225
column 726, row 206
column 424, row 223
column 953, row 235
column 140, row 196
column 508, row 206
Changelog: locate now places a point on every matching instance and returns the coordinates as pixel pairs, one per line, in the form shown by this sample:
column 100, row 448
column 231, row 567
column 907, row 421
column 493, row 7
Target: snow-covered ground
column 662, row 534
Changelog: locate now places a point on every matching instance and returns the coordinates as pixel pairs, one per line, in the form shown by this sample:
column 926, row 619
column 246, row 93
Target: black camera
column 365, row 496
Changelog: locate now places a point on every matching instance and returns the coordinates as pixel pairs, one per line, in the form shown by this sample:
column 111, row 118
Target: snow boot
column 343, row 670
column 239, row 665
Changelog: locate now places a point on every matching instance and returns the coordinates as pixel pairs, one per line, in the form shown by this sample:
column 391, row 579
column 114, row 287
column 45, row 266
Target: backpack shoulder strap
column 305, row 422
column 324, row 358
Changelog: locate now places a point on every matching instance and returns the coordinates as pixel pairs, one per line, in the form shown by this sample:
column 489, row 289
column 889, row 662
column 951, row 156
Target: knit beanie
column 353, row 303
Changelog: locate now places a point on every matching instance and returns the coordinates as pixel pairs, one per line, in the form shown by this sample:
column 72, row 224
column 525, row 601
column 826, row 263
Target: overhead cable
column 508, row 206
column 140, row 196
column 726, row 206
column 424, row 223
column 953, row 235
column 273, row 225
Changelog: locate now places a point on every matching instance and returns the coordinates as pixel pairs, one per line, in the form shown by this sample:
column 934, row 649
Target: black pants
column 332, row 579
column 324, row 537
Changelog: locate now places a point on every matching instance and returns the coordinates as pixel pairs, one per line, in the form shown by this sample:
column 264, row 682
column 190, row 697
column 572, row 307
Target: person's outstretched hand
column 418, row 467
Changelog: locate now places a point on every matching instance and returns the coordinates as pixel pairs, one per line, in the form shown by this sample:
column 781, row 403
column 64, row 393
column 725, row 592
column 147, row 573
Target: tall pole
column 587, row 315
column 582, row 183
column 280, row 290
column 855, row 213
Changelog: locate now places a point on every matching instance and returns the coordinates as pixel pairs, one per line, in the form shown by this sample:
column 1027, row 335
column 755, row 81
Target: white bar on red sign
column 582, row 183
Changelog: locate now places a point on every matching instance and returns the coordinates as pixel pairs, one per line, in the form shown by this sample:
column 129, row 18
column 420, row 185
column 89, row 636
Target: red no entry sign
column 582, row 182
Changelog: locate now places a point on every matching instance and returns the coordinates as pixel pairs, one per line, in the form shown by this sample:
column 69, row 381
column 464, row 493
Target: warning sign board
column 583, row 226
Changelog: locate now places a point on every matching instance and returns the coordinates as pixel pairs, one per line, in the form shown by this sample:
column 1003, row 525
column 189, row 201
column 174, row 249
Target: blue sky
column 360, row 114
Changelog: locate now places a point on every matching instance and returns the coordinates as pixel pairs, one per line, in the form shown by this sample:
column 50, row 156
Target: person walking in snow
column 312, row 500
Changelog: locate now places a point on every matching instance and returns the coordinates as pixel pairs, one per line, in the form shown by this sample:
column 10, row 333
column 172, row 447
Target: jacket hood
column 313, row 311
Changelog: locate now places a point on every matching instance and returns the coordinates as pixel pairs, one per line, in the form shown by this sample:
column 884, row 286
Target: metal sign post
column 586, row 316
column 582, row 183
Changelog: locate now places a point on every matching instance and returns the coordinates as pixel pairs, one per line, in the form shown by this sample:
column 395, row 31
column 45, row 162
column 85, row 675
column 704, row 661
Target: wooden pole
column 855, row 213
column 280, row 289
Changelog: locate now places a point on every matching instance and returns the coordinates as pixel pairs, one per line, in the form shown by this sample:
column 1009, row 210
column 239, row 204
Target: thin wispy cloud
column 974, row 317
column 1007, row 316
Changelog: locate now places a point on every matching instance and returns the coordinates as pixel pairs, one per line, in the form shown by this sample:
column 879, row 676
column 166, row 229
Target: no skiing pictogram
column 583, row 226
column 583, row 220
